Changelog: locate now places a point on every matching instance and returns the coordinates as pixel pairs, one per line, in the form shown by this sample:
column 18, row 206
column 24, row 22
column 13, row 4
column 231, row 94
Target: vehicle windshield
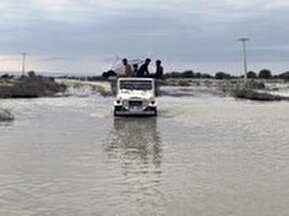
column 136, row 84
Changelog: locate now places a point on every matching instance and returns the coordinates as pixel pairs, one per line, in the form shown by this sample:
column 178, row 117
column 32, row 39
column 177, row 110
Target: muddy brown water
column 201, row 156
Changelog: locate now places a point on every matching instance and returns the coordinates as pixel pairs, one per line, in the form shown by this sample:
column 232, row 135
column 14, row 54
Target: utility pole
column 244, row 40
column 23, row 63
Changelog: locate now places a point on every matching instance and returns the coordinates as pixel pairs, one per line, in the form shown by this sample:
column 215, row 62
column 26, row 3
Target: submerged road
column 203, row 155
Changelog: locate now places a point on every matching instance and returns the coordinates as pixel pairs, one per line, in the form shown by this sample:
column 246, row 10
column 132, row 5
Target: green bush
column 222, row 75
column 265, row 74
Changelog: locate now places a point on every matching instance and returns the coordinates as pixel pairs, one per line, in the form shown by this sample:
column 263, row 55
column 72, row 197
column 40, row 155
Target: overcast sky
column 87, row 35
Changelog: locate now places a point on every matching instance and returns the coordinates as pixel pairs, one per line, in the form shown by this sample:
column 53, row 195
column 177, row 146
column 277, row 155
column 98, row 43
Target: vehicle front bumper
column 122, row 111
column 135, row 113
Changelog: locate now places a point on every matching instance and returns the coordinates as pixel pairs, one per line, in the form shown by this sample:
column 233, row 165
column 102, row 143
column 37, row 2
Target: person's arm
column 147, row 71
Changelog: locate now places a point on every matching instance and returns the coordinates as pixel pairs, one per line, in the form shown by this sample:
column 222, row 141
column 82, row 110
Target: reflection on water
column 134, row 146
column 6, row 123
column 132, row 139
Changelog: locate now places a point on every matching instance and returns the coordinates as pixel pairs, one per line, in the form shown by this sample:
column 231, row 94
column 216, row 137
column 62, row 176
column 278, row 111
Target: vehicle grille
column 135, row 103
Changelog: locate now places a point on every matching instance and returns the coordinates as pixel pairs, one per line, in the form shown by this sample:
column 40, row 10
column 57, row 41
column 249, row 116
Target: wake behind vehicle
column 135, row 97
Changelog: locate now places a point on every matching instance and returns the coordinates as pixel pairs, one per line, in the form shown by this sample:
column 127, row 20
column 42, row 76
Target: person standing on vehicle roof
column 143, row 70
column 159, row 70
column 127, row 68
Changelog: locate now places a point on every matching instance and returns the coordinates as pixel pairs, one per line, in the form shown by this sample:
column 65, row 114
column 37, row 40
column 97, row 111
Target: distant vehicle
column 135, row 97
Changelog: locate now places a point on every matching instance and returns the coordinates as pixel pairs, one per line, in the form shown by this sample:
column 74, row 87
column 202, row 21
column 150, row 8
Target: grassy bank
column 29, row 87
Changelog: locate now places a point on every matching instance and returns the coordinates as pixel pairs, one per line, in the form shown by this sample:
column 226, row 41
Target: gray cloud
column 176, row 30
column 48, row 59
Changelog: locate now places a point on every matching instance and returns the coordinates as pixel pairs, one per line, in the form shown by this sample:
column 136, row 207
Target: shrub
column 284, row 76
column 188, row 74
column 222, row 75
column 251, row 75
column 265, row 74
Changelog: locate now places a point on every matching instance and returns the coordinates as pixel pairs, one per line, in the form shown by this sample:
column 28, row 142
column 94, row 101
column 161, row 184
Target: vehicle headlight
column 125, row 103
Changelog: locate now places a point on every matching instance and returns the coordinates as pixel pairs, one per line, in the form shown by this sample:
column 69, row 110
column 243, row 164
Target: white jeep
column 135, row 97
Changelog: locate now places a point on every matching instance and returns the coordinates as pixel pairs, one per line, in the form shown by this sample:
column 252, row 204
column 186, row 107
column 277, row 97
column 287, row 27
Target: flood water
column 202, row 155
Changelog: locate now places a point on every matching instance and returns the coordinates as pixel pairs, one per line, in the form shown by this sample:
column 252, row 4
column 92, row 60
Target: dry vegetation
column 29, row 87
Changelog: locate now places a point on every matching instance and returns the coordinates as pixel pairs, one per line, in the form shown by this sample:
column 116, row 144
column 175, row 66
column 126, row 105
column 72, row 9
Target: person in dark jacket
column 143, row 70
column 159, row 70
column 134, row 70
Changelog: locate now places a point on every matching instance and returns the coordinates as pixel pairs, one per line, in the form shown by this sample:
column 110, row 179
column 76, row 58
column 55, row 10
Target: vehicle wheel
column 114, row 112
column 116, row 108
column 155, row 112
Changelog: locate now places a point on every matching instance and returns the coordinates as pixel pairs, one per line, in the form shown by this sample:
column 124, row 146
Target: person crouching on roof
column 127, row 68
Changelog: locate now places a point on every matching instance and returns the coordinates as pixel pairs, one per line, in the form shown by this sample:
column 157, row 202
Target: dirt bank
column 29, row 87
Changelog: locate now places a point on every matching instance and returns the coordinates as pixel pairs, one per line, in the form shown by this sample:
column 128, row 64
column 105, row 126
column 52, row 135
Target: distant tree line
column 7, row 76
column 263, row 74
